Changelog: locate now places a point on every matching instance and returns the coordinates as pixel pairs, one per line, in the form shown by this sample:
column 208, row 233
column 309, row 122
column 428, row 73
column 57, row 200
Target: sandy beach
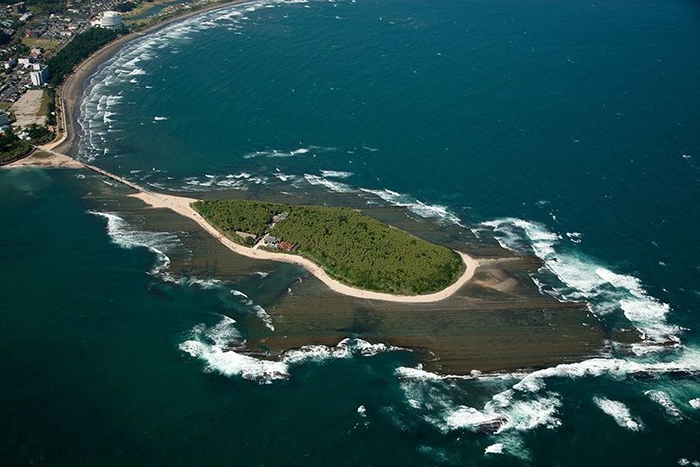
column 182, row 206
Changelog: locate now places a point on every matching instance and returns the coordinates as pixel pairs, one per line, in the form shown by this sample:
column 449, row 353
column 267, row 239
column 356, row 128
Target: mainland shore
column 71, row 92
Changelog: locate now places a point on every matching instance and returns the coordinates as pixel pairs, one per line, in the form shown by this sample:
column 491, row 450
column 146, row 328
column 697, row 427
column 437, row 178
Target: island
column 351, row 247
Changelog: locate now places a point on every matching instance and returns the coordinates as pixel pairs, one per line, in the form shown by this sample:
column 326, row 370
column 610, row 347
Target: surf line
column 182, row 206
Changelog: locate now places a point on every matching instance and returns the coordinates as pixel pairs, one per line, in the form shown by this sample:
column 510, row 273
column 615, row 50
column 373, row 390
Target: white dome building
column 108, row 20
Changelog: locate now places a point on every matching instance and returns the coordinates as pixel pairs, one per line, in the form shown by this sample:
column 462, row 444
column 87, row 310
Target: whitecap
column 620, row 413
column 230, row 363
column 346, row 348
column 222, row 348
column 663, row 399
column 215, row 346
column 330, row 184
column 336, row 174
column 121, row 233
column 496, row 448
column 585, row 279
column 264, row 317
column 415, row 206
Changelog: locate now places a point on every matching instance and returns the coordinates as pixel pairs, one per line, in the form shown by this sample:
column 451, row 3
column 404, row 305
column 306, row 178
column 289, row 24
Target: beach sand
column 182, row 206
column 40, row 158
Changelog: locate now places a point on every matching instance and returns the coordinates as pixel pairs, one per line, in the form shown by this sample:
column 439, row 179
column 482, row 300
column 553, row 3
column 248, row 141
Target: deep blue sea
column 567, row 130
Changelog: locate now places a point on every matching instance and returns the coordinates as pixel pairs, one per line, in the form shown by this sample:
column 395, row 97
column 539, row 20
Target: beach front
column 73, row 88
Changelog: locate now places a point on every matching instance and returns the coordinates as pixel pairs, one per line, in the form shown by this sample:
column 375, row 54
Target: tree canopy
column 77, row 50
column 350, row 246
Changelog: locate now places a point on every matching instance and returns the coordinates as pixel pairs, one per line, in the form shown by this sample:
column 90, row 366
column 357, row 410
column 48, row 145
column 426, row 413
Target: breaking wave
column 620, row 413
column 121, row 233
column 430, row 211
column 583, row 279
column 524, row 401
column 222, row 348
column 240, row 181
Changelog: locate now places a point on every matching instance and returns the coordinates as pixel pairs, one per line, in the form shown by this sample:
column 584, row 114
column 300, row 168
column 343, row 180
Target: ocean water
column 566, row 130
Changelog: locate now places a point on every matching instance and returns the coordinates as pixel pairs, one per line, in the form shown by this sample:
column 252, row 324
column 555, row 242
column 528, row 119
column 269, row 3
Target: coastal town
column 33, row 35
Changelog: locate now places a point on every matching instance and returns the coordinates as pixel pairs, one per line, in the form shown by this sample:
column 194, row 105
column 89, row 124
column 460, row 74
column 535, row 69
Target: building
column 108, row 20
column 19, row 8
column 40, row 77
column 4, row 119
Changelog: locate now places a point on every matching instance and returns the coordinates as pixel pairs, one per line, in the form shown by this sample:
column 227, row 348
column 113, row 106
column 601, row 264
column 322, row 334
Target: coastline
column 71, row 91
column 490, row 295
column 182, row 206
column 61, row 153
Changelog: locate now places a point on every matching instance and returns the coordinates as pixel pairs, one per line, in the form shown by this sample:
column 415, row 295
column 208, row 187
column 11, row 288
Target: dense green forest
column 77, row 50
column 351, row 247
column 11, row 147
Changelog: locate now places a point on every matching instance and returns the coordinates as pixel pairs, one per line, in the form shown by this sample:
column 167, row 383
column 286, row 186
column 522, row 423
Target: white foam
column 330, row 184
column 239, row 293
column 575, row 237
column 190, row 281
column 221, row 347
column 159, row 119
column 241, row 181
column 284, row 177
column 585, row 279
column 231, row 363
column 687, row 361
column 362, row 411
column 620, row 413
column 695, row 403
column 257, row 309
column 263, row 316
column 215, row 347
column 336, row 174
column 121, row 233
column 663, row 399
column 346, row 348
column 496, row 448
column 278, row 153
column 526, row 405
column 414, row 205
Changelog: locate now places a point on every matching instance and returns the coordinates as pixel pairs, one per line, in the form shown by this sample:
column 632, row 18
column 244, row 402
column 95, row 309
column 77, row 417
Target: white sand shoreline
column 182, row 206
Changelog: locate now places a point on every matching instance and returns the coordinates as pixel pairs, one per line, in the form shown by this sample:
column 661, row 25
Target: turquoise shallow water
column 567, row 130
